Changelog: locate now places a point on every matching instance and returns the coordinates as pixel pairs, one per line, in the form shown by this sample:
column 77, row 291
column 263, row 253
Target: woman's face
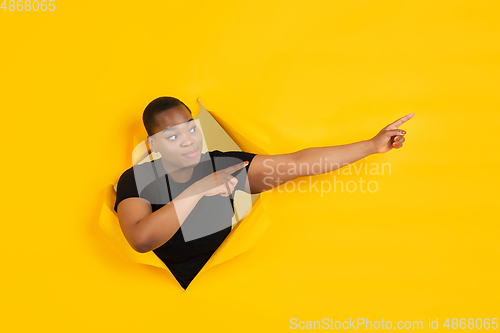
column 177, row 138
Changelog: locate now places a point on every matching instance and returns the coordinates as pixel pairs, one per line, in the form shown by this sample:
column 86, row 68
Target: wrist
column 192, row 192
column 371, row 147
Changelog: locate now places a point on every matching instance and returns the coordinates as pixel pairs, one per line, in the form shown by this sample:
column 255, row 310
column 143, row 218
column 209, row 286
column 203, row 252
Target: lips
column 191, row 153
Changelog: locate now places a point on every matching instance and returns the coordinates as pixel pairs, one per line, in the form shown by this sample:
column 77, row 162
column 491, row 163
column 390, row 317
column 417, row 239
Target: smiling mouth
column 191, row 153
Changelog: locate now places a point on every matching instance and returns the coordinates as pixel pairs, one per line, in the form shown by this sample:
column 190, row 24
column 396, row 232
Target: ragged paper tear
column 248, row 222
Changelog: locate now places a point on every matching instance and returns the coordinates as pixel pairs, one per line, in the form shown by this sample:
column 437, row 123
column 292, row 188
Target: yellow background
column 280, row 76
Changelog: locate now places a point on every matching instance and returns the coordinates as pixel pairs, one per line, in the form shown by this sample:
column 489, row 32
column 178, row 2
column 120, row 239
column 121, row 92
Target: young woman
column 180, row 206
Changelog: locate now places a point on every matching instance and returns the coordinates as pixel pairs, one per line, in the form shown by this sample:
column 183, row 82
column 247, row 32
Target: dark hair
column 157, row 106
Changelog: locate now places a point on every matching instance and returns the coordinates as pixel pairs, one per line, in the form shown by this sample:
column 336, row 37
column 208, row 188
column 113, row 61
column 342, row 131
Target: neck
column 181, row 175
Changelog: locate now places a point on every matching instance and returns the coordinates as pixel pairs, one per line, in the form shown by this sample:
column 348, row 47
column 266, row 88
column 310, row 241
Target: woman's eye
column 172, row 137
column 192, row 129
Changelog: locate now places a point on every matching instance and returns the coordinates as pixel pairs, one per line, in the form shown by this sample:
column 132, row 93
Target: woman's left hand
column 390, row 136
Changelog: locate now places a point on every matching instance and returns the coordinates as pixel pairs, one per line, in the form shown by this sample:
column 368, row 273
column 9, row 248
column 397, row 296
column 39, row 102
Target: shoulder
column 133, row 182
column 242, row 155
column 229, row 158
column 140, row 173
column 214, row 153
column 127, row 174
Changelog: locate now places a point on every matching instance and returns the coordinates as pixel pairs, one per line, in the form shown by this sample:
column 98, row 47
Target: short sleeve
column 226, row 159
column 126, row 187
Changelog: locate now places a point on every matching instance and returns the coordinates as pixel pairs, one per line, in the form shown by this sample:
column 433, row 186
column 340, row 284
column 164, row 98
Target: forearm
column 318, row 160
column 158, row 227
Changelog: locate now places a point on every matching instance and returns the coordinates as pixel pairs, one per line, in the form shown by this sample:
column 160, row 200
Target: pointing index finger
column 400, row 121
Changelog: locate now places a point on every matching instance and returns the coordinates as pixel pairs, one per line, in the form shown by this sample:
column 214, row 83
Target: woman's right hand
column 220, row 182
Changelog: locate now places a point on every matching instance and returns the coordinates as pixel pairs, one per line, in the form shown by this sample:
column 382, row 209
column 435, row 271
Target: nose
column 186, row 141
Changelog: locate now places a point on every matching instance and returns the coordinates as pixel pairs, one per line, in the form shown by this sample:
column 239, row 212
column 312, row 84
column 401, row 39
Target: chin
column 191, row 162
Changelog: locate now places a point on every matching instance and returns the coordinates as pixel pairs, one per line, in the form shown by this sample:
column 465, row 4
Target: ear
column 151, row 143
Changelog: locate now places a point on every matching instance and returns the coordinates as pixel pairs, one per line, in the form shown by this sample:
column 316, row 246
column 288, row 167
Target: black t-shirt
column 208, row 224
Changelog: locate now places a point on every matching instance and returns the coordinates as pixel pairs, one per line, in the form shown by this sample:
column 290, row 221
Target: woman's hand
column 390, row 137
column 220, row 182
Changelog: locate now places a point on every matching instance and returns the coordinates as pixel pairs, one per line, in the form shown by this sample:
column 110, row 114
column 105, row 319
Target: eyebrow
column 175, row 127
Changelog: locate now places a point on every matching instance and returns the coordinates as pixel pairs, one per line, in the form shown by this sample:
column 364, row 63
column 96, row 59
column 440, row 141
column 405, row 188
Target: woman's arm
column 266, row 172
column 146, row 231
